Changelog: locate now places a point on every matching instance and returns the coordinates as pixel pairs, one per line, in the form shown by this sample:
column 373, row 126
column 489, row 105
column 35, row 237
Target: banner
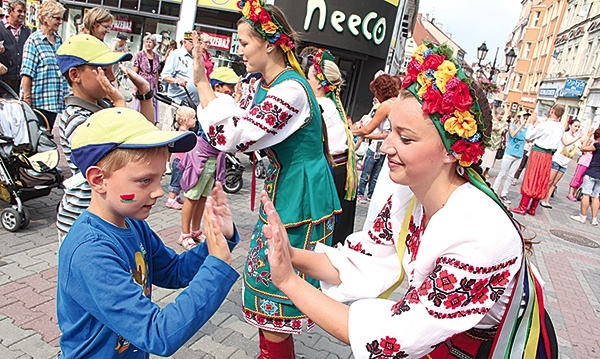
column 220, row 42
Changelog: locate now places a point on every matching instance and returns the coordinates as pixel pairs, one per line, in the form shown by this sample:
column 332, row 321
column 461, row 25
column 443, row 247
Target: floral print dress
column 460, row 268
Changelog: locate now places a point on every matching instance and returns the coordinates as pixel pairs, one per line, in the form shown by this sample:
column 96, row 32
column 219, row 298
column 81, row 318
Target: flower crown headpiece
column 318, row 59
column 438, row 82
column 260, row 17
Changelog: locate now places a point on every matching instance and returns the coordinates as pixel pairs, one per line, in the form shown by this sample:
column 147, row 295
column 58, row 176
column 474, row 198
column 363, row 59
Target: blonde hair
column 95, row 16
column 332, row 73
column 50, row 8
column 120, row 157
column 183, row 113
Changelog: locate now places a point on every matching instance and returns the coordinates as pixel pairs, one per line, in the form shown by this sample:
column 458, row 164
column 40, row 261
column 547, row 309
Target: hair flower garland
column 260, row 18
column 438, row 82
column 318, row 58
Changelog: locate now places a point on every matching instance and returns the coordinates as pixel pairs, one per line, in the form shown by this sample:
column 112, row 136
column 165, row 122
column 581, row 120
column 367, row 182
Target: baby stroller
column 28, row 158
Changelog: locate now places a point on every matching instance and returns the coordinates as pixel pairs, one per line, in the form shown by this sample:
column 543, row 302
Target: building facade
column 573, row 75
column 534, row 38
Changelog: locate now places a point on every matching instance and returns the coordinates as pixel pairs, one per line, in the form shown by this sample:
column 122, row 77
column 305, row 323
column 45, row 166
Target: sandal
column 198, row 236
column 187, row 241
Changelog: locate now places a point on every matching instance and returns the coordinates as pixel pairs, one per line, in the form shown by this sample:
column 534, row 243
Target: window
column 594, row 63
column 518, row 82
column 527, row 50
column 536, row 18
column 573, row 112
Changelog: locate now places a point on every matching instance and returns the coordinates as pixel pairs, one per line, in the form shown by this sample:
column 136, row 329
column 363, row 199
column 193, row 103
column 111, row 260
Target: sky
column 471, row 22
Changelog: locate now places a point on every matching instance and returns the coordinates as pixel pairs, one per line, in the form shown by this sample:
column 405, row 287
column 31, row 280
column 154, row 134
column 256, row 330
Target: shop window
column 169, row 9
column 573, row 113
column 130, row 4
column 150, row 6
column 97, row 2
column 113, row 3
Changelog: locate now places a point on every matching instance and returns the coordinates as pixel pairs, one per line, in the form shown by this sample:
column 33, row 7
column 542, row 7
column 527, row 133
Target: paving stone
column 14, row 271
column 36, row 347
column 208, row 345
column 19, row 313
column 12, row 333
column 29, row 297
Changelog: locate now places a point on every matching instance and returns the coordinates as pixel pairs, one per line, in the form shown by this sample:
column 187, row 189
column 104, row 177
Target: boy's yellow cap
column 223, row 75
column 121, row 128
column 86, row 50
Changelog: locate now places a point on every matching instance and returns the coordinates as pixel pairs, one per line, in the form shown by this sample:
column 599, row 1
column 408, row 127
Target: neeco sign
column 358, row 26
column 371, row 26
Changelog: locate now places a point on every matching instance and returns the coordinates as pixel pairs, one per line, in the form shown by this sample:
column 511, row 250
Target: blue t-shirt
column 105, row 278
column 516, row 145
column 593, row 169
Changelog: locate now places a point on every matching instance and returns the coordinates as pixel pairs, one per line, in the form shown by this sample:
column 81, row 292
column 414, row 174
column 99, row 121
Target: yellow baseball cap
column 223, row 75
column 121, row 127
column 85, row 49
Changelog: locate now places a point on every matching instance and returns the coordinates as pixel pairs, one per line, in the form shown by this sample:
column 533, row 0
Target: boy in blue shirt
column 110, row 259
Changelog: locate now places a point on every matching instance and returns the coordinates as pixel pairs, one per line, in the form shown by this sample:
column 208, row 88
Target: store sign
column 547, row 92
column 573, row 88
column 230, row 5
column 221, row 42
column 235, row 44
column 122, row 24
column 528, row 99
column 360, row 26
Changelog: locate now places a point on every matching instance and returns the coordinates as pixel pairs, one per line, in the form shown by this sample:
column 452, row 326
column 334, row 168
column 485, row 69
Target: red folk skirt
column 537, row 174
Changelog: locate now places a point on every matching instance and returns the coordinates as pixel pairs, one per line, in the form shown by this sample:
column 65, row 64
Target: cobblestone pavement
column 28, row 270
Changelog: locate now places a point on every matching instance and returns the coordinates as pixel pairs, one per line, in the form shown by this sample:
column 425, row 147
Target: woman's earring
column 460, row 170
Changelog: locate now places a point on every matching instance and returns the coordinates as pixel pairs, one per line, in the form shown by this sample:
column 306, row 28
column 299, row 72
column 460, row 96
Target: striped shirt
column 77, row 199
column 48, row 86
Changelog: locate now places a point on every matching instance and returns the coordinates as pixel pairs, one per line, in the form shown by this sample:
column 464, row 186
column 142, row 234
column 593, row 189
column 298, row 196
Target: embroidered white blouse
column 336, row 132
column 231, row 128
column 460, row 269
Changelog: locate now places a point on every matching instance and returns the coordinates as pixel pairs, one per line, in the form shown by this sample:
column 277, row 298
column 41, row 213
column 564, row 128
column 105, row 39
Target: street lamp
column 482, row 51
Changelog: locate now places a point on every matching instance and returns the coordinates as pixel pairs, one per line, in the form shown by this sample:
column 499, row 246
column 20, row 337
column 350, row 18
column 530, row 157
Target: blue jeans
column 371, row 168
column 176, row 174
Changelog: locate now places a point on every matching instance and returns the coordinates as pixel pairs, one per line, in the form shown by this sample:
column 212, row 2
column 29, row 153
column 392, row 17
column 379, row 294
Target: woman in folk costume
column 462, row 253
column 546, row 138
column 325, row 79
column 284, row 118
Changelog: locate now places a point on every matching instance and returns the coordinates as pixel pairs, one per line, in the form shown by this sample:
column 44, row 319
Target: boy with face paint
column 110, row 259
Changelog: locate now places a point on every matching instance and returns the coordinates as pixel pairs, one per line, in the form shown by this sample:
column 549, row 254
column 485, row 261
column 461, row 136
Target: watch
column 147, row 96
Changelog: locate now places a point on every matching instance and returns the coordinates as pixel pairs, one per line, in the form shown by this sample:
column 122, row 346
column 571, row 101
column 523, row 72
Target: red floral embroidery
column 381, row 230
column 358, row 247
column 413, row 238
column 385, row 348
column 216, row 135
column 459, row 295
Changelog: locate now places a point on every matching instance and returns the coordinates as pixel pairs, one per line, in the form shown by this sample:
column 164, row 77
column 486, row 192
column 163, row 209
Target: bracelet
column 146, row 96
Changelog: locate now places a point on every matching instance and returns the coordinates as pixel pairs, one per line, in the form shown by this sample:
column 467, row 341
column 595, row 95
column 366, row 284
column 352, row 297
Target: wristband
column 146, row 96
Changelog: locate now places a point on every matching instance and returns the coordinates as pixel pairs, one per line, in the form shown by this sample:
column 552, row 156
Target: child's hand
column 215, row 241
column 280, row 249
column 220, row 207
column 138, row 81
column 112, row 92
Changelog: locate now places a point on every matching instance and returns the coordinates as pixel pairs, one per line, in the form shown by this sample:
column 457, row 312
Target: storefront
column 357, row 32
column 564, row 91
column 132, row 17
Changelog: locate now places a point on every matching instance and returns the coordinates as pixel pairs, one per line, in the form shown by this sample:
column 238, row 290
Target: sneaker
column 578, row 218
column 180, row 199
column 173, row 204
column 572, row 198
column 361, row 199
column 545, row 205
column 594, row 222
column 505, row 199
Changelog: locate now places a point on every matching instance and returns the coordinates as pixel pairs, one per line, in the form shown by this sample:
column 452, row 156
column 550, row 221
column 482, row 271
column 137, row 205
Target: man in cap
column 179, row 72
column 120, row 45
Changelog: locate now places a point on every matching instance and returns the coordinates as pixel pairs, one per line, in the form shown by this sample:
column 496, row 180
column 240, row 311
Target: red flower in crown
column 458, row 95
column 264, row 16
column 432, row 101
column 412, row 71
column 432, row 62
column 468, row 152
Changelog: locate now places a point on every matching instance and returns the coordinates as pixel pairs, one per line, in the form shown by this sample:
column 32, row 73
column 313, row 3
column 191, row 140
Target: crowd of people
column 434, row 219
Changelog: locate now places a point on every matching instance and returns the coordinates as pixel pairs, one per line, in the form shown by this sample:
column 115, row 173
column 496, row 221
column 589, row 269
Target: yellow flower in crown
column 462, row 124
column 418, row 54
column 269, row 27
column 444, row 72
column 424, row 81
